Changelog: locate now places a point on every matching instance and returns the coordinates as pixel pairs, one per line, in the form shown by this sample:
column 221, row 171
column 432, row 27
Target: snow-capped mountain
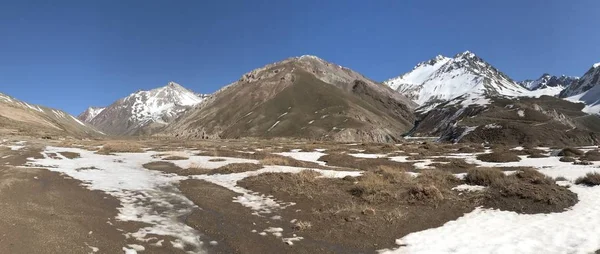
column 25, row 117
column 442, row 78
column 89, row 114
column 586, row 90
column 548, row 81
column 144, row 112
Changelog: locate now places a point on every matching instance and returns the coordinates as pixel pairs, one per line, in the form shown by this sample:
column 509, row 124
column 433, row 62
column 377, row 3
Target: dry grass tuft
column 120, row 147
column 533, row 176
column 503, row 156
column 302, row 225
column 593, row 155
column 175, row 158
column 570, row 151
column 425, row 193
column 483, row 176
column 590, row 179
column 567, row 159
column 235, row 168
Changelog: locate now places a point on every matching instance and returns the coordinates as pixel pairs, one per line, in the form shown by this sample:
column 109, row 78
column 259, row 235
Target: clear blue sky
column 71, row 54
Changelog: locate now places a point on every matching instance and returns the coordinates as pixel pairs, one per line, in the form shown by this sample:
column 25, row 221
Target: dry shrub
column 567, row 159
column 425, row 193
column 570, row 151
column 537, row 155
column 235, row 168
column 120, row 147
column 503, row 156
column 393, row 174
column 175, row 158
column 483, row 176
column 437, row 177
column 366, row 164
column 590, row 179
column 453, row 165
column 302, row 225
column 561, row 178
column 533, row 176
column 593, row 155
column 273, row 159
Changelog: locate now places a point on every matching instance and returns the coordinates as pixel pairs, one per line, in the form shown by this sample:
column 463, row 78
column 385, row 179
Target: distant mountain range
column 143, row 112
column 21, row 117
column 459, row 98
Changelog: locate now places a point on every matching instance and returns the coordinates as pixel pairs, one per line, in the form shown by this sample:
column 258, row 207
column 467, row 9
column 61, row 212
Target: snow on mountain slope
column 586, row 90
column 441, row 79
column 409, row 83
column 22, row 116
column 548, row 84
column 144, row 111
column 89, row 114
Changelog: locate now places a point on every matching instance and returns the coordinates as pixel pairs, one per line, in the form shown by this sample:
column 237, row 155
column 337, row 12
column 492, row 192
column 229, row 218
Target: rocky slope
column 542, row 121
column 21, row 117
column 302, row 97
column 549, row 81
column 145, row 112
column 442, row 78
column 586, row 90
column 89, row 114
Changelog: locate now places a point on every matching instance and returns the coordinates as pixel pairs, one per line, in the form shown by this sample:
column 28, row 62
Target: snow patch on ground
column 305, row 156
column 367, row 155
column 466, row 187
column 262, row 204
column 494, row 231
column 142, row 192
column 521, row 113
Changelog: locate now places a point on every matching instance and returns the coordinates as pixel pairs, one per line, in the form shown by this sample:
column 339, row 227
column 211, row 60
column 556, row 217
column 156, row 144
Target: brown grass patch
column 175, row 158
column 454, row 166
column 217, row 160
column 567, row 159
column 235, row 168
column 570, row 151
column 593, row 155
column 70, row 155
column 120, row 147
column 366, row 164
column 500, row 156
column 483, row 176
column 590, row 179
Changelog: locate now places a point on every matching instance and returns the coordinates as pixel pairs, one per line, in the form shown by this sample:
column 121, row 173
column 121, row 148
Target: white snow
column 260, row 203
column 273, row 126
column 596, row 65
column 466, row 187
column 367, row 155
column 521, row 113
column 136, row 247
column 158, row 104
column 494, row 231
column 139, row 190
column 305, row 156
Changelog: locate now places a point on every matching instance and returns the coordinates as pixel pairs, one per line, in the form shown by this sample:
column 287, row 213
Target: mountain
column 586, row 90
column 441, row 79
column 302, row 97
column 549, row 81
column 145, row 112
column 22, row 117
column 544, row 121
column 89, row 114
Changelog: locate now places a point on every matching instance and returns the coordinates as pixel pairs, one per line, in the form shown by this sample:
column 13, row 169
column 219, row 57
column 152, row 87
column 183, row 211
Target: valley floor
column 173, row 196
